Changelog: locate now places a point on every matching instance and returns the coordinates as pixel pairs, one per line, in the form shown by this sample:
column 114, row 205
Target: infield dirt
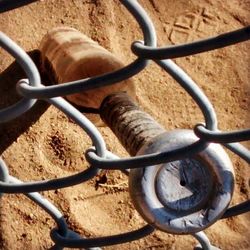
column 45, row 144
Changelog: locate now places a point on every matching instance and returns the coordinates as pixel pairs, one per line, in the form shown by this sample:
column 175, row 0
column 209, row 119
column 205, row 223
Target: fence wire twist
column 31, row 89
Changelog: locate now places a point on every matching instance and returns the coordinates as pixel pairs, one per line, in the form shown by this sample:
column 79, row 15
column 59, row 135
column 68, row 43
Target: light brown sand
column 44, row 143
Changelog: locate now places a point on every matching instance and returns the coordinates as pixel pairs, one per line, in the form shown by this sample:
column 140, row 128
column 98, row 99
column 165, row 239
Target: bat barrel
column 68, row 55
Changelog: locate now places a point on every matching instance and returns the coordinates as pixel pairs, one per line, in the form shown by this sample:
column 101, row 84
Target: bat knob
column 184, row 196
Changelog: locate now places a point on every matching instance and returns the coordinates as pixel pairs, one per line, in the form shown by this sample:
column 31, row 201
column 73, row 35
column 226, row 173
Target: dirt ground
column 45, row 144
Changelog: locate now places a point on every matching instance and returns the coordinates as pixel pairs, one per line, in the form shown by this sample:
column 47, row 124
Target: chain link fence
column 98, row 157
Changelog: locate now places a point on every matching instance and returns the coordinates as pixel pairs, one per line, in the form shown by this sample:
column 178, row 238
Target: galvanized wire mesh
column 31, row 89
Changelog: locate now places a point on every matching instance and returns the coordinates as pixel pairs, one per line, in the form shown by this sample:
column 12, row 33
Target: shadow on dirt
column 11, row 130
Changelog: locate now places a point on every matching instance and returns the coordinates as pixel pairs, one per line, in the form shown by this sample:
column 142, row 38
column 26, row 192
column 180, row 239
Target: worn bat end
column 68, row 55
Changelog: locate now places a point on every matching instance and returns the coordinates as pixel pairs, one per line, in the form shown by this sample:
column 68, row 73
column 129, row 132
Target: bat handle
column 132, row 126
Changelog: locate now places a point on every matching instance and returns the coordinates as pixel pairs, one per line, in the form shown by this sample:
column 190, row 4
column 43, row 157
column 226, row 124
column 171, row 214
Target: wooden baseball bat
column 174, row 197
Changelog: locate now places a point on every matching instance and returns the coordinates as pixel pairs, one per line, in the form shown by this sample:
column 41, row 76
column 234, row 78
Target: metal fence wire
column 190, row 220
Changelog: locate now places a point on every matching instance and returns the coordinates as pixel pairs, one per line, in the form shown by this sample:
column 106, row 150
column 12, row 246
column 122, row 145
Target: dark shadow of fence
column 10, row 131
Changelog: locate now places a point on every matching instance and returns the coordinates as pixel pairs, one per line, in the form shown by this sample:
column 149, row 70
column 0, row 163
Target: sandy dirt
column 45, row 144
